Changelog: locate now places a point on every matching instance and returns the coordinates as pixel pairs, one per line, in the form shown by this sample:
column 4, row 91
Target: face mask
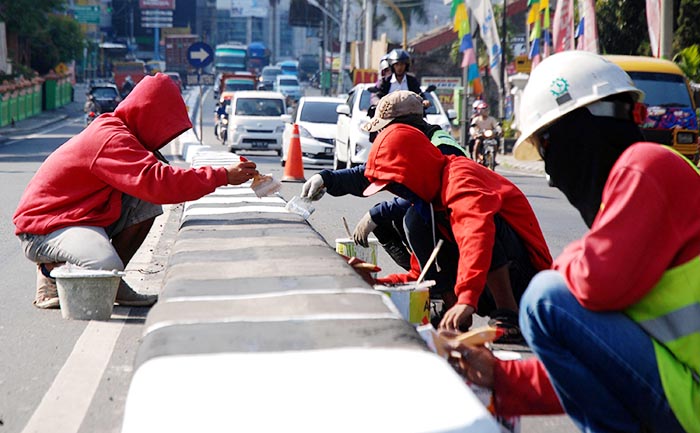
column 420, row 205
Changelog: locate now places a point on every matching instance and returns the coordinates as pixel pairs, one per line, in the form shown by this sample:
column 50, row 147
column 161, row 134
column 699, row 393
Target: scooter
column 221, row 128
column 89, row 117
column 488, row 149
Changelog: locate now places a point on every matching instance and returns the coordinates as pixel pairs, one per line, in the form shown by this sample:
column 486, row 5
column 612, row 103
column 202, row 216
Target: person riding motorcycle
column 480, row 123
column 400, row 62
column 91, row 108
column 221, row 119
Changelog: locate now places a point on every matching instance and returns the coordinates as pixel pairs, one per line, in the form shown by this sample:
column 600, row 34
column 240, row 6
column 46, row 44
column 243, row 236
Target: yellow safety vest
column 670, row 314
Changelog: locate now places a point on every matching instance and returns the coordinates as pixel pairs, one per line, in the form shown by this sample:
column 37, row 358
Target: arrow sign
column 200, row 55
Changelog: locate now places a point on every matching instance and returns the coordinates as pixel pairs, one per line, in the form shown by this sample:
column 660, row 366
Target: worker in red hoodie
column 492, row 237
column 616, row 324
column 94, row 199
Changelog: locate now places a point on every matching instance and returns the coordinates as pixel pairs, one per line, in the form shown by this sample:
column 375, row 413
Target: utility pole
column 666, row 39
column 369, row 9
column 343, row 44
column 502, row 104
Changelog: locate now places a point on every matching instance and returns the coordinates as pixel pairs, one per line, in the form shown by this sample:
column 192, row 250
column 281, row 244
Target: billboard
column 244, row 8
column 157, row 4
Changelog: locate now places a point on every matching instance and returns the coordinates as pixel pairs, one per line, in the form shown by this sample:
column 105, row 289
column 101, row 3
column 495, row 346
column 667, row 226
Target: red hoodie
column 469, row 194
column 81, row 182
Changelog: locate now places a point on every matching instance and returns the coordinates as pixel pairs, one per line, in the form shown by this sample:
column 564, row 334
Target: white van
column 256, row 121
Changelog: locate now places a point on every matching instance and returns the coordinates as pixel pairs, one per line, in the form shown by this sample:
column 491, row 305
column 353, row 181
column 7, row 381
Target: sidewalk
column 45, row 118
column 508, row 161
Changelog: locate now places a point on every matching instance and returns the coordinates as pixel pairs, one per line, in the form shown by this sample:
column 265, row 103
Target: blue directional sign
column 200, row 55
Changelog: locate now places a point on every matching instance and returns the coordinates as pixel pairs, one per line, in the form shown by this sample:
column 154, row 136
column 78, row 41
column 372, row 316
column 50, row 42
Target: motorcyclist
column 400, row 62
column 482, row 122
column 220, row 111
column 127, row 87
column 91, row 106
column 384, row 74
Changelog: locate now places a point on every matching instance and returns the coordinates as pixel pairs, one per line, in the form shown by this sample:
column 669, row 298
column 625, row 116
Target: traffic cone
column 294, row 167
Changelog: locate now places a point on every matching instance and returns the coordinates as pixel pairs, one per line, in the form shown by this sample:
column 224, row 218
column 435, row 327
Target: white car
column 352, row 143
column 256, row 121
column 316, row 118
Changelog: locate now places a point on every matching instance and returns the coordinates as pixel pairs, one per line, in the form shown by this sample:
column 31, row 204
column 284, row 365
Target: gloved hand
column 363, row 229
column 313, row 188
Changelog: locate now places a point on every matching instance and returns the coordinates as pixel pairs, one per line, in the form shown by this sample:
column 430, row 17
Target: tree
column 687, row 32
column 622, row 27
column 688, row 59
column 60, row 41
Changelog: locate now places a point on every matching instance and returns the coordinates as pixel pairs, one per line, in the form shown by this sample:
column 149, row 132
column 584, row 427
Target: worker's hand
column 426, row 103
column 458, row 318
column 313, row 188
column 363, row 229
column 476, row 364
column 241, row 172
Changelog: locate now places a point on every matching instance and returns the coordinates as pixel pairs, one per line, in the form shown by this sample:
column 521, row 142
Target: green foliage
column 688, row 31
column 622, row 27
column 60, row 41
column 688, row 59
column 508, row 131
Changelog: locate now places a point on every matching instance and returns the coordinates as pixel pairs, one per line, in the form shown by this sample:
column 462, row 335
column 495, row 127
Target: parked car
column 267, row 77
column 256, row 121
column 352, row 143
column 175, row 76
column 106, row 95
column 288, row 85
column 316, row 118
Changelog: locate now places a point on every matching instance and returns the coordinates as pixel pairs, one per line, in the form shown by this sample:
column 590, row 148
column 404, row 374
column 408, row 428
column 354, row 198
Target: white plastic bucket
column 86, row 294
column 411, row 299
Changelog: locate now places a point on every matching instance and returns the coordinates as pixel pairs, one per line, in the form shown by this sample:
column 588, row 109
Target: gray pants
column 85, row 246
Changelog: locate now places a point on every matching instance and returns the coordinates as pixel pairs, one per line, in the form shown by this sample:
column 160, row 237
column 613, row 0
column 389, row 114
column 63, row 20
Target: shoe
column 46, row 291
column 508, row 321
column 127, row 297
column 399, row 253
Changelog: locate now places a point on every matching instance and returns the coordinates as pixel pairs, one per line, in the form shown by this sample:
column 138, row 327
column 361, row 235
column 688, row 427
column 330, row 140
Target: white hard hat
column 383, row 64
column 562, row 83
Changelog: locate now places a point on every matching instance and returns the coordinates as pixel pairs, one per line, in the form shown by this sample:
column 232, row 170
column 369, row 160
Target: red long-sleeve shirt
column 648, row 223
column 81, row 183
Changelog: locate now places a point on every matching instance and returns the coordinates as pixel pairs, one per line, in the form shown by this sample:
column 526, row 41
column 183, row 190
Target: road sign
column 87, row 14
column 200, row 55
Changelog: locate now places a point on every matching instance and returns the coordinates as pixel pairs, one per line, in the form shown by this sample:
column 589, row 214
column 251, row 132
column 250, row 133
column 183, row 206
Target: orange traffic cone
column 294, row 167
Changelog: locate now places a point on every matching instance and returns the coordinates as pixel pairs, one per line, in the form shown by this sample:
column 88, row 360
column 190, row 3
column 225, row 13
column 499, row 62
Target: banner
column 563, row 26
column 588, row 30
column 482, row 11
column 654, row 24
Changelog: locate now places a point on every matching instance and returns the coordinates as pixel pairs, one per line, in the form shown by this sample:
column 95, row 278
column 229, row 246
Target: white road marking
column 65, row 404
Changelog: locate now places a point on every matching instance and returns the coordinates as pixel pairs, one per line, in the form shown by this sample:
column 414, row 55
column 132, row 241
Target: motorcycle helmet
column 398, row 55
column 562, row 83
column 383, row 66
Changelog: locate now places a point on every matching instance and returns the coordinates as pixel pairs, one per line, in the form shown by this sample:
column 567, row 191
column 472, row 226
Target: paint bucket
column 347, row 247
column 411, row 299
column 86, row 294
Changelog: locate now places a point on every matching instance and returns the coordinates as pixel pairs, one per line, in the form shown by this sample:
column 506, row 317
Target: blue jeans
column 601, row 364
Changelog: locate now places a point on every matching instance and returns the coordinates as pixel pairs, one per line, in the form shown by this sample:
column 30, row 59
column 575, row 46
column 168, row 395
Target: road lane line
column 65, row 404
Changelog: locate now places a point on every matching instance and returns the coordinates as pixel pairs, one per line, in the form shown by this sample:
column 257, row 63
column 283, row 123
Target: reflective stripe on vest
column 670, row 313
column 441, row 137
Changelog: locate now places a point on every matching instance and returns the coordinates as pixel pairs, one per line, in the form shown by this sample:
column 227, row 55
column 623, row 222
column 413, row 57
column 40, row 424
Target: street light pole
column 341, row 25
column 343, row 47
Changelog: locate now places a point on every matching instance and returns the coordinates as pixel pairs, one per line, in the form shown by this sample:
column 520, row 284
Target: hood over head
column 403, row 154
column 154, row 111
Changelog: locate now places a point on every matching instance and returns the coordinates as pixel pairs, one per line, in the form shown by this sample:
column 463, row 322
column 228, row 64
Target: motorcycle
column 89, row 117
column 221, row 128
column 488, row 149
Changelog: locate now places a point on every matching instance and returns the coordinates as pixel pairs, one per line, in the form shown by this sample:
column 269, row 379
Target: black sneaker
column 399, row 253
column 508, row 321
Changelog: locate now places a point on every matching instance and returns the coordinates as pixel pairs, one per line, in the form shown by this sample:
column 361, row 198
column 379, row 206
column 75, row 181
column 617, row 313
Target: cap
column 375, row 187
column 395, row 104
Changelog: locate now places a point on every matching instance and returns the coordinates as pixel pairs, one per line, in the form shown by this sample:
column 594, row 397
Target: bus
column 230, row 57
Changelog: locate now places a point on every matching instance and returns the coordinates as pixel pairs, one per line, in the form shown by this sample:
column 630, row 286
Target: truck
column 135, row 69
column 176, row 47
column 230, row 57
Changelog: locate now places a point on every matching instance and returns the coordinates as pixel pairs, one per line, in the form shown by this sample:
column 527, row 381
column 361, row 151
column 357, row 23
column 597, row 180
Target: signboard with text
column 444, row 88
column 87, row 14
column 244, row 8
column 157, row 4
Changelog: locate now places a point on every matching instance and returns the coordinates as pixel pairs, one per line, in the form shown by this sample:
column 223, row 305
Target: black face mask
column 582, row 151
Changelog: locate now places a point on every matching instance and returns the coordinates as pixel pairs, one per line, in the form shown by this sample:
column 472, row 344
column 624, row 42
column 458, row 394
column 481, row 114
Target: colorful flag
column 654, row 24
column 534, row 22
column 563, row 26
column 483, row 12
column 461, row 26
column 587, row 31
